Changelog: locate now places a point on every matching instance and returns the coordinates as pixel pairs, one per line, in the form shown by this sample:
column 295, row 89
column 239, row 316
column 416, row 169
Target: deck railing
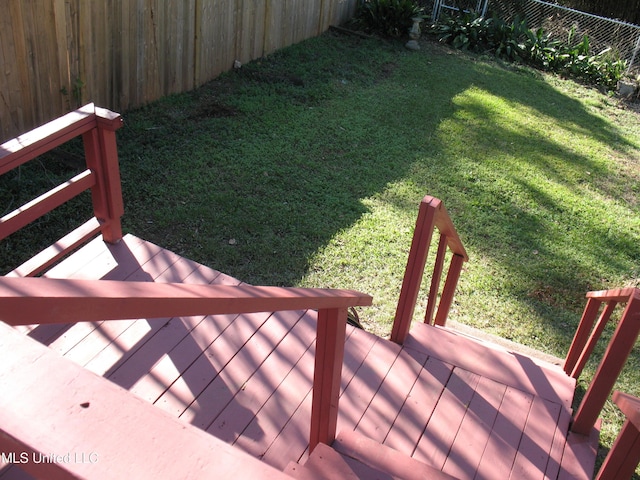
column 97, row 127
column 615, row 355
column 24, row 301
column 431, row 214
column 40, row 300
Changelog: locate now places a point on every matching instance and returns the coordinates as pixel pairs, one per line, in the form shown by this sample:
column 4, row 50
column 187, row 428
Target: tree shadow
column 258, row 192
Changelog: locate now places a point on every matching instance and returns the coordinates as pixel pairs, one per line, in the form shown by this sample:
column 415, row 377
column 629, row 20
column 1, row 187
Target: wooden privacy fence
column 56, row 55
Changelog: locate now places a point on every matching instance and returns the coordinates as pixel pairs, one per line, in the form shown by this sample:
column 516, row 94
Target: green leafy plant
column 388, row 17
column 507, row 40
column 513, row 41
column 76, row 93
column 541, row 50
column 466, row 32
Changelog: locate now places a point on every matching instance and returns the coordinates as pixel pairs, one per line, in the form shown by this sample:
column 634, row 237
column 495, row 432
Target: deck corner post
column 624, row 455
column 331, row 334
column 101, row 152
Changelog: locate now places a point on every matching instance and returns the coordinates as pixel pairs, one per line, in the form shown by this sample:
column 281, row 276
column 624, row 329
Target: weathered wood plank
column 113, row 262
column 250, row 41
column 579, row 456
column 12, row 117
column 70, row 300
column 29, row 145
column 383, row 459
column 236, row 374
column 266, row 381
column 154, row 260
column 558, row 447
column 327, row 463
column 27, row 213
column 107, row 332
column 96, row 260
column 50, row 255
column 281, row 431
column 366, row 382
column 383, row 410
column 209, row 389
column 537, row 439
column 289, row 410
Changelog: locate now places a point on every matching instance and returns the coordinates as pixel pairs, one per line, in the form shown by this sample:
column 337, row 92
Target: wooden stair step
column 356, row 456
column 378, row 456
column 325, row 463
column 101, row 430
column 492, row 361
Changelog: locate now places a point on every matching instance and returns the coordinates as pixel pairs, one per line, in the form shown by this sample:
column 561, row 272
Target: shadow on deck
column 262, row 388
column 469, row 409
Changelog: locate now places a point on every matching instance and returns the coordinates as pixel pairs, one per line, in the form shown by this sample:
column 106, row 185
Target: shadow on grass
column 256, row 171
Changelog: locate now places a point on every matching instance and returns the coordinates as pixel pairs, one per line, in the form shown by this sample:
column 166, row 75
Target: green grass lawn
column 306, row 168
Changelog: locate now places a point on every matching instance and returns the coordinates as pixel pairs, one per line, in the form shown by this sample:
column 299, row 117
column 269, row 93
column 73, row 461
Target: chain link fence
column 621, row 37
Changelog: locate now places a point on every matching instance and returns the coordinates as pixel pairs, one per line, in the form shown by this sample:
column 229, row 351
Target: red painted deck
column 463, row 407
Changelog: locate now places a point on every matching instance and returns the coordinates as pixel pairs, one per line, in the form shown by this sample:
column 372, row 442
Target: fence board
column 58, row 54
column 10, row 89
column 251, row 28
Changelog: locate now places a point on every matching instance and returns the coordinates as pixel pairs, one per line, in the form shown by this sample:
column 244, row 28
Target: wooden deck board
column 234, row 419
column 409, row 425
column 537, row 438
column 384, row 408
column 468, row 409
column 475, row 429
column 509, row 368
column 435, row 444
column 234, row 376
column 502, row 444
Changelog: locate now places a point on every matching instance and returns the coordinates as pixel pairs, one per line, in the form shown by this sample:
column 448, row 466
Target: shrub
column 388, row 17
column 515, row 42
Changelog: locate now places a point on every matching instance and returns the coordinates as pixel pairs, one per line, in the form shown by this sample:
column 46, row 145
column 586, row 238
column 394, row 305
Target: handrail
column 97, row 127
column 615, row 356
column 431, row 214
column 42, row 300
column 48, row 300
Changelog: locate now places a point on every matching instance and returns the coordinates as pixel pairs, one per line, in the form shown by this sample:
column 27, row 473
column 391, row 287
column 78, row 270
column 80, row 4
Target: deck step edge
column 385, row 459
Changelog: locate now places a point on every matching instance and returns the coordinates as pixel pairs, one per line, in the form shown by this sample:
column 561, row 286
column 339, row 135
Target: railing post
column 415, row 268
column 581, row 335
column 450, row 284
column 435, row 279
column 102, row 158
column 330, row 340
column 615, row 356
column 593, row 339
